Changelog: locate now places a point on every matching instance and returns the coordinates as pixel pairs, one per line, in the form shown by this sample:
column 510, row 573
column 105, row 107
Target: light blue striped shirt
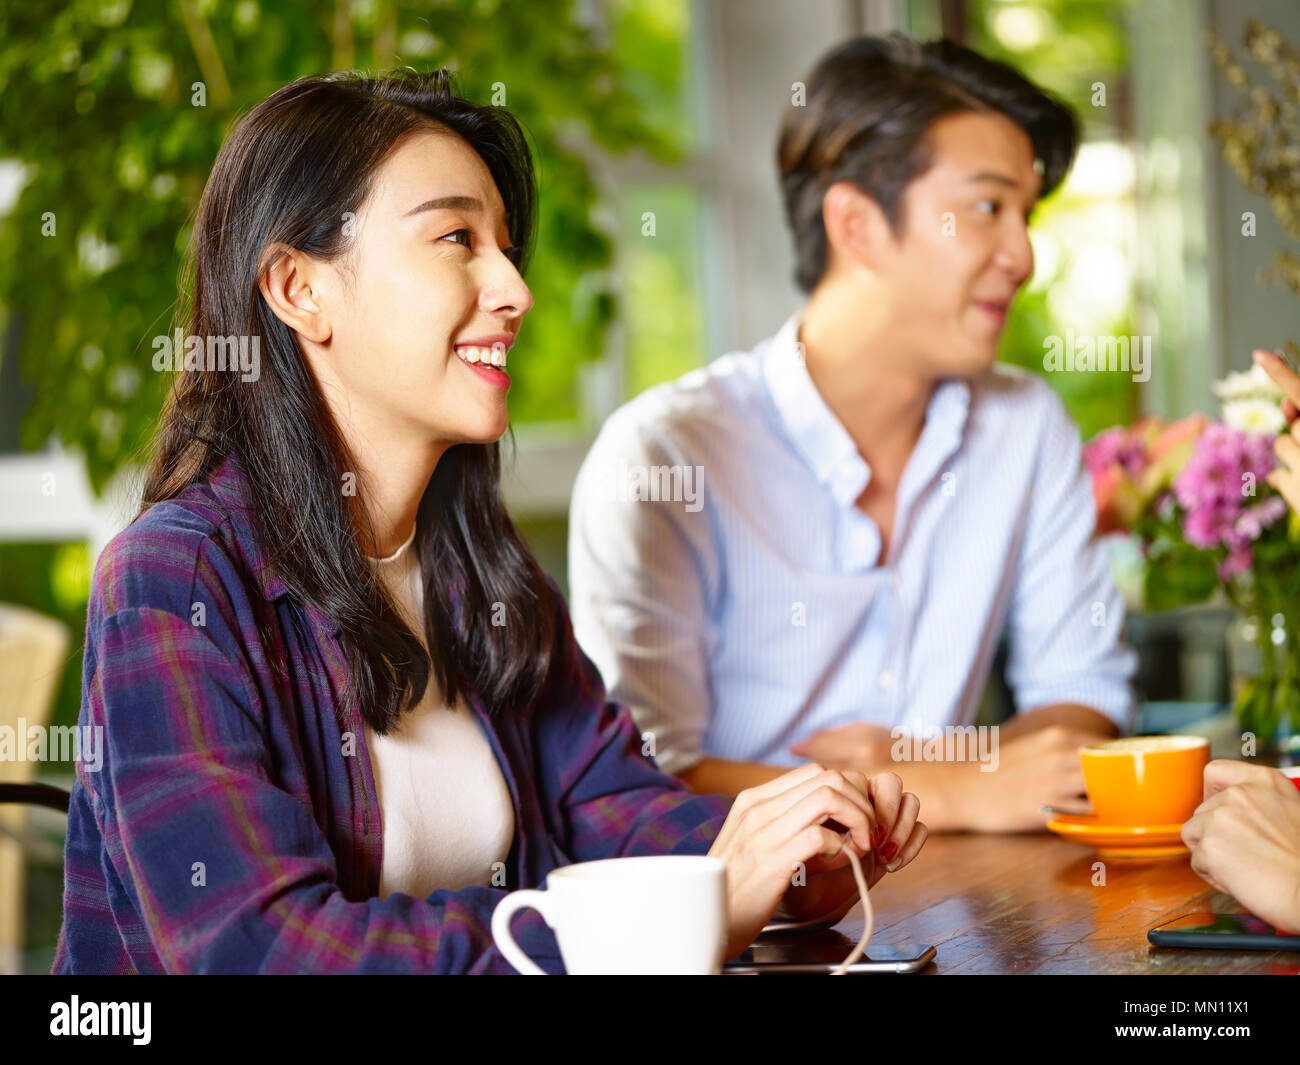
column 731, row 594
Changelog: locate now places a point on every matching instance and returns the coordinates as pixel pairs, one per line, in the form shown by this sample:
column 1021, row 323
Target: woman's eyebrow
column 463, row 203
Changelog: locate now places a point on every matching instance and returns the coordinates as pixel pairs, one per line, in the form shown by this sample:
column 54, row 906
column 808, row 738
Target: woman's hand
column 1245, row 840
column 794, row 825
column 1286, row 476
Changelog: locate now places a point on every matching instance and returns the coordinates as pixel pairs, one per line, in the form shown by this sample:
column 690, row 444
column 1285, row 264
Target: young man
column 809, row 551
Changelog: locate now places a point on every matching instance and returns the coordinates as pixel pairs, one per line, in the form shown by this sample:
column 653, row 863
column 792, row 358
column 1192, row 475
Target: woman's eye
column 513, row 254
column 988, row 206
column 461, row 236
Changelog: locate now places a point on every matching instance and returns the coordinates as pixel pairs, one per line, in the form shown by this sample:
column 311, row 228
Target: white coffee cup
column 655, row 915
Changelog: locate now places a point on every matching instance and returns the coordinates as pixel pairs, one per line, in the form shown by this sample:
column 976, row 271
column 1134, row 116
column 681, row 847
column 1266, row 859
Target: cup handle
column 527, row 898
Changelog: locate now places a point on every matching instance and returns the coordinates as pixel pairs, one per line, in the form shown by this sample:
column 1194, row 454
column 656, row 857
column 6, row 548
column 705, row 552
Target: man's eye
column 461, row 236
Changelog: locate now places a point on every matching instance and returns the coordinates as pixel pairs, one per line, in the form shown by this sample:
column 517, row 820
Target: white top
column 735, row 599
column 446, row 808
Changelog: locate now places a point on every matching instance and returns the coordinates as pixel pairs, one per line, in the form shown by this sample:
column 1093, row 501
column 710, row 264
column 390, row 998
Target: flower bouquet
column 1194, row 494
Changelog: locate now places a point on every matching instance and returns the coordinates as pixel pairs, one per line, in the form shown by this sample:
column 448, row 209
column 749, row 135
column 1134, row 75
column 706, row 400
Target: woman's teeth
column 492, row 356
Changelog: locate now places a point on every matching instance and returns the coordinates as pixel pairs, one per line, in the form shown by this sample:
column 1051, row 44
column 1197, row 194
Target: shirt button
column 887, row 680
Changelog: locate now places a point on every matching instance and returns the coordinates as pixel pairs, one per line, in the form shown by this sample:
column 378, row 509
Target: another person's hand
column 1286, row 476
column 1245, row 840
column 1035, row 769
column 852, row 746
column 777, row 828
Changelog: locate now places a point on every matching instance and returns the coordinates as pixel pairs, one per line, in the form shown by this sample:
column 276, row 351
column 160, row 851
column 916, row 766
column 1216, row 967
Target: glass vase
column 1264, row 657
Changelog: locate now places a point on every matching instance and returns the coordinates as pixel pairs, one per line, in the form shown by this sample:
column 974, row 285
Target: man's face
column 962, row 250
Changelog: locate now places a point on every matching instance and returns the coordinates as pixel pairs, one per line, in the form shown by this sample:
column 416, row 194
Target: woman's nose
column 506, row 291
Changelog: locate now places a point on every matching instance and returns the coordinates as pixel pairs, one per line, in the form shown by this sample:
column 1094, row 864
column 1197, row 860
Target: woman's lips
column 493, row 375
column 996, row 311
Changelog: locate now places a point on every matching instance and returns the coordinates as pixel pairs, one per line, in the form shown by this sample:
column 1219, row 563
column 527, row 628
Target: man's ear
column 293, row 286
column 856, row 228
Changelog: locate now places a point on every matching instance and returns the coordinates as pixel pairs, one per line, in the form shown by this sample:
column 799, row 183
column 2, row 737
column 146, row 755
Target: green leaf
column 1180, row 579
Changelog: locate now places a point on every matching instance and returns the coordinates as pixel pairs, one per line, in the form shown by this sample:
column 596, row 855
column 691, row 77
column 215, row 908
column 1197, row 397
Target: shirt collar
column 820, row 437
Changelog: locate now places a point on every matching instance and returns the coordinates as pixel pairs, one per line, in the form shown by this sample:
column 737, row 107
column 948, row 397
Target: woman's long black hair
column 297, row 167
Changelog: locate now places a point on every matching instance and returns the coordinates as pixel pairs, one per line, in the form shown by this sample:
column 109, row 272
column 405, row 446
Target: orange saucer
column 1120, row 841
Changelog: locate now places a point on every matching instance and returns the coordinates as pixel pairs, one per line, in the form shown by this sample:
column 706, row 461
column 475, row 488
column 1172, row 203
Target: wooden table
column 1025, row 904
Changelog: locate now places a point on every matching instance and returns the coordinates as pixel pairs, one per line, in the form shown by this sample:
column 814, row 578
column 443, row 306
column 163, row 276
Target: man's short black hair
column 868, row 106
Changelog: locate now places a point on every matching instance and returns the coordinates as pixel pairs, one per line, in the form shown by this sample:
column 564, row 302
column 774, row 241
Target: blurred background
column 662, row 246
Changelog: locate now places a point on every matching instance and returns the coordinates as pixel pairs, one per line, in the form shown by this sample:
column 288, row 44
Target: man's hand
column 1036, row 769
column 856, row 746
column 1245, row 840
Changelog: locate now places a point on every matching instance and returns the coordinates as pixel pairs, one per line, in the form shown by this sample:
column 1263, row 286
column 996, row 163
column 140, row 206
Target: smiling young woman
column 344, row 709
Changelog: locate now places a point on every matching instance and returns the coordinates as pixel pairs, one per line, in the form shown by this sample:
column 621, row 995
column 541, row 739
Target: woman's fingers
column 911, row 848
column 1275, row 366
column 1286, row 449
column 752, row 797
column 908, row 811
column 817, row 805
column 850, row 784
column 886, row 790
column 784, row 782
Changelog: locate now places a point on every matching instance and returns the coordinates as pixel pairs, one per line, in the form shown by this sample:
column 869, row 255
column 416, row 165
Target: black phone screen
column 1222, row 931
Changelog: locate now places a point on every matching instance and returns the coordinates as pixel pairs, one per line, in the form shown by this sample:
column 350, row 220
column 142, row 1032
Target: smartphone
column 903, row 958
column 1221, row 931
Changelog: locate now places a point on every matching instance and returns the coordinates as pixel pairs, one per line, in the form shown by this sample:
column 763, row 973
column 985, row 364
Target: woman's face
column 427, row 300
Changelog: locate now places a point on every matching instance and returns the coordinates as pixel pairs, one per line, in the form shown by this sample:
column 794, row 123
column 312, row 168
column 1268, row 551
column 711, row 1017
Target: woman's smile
column 487, row 356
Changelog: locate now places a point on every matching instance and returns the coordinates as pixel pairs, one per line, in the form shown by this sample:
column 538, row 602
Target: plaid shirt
column 234, row 825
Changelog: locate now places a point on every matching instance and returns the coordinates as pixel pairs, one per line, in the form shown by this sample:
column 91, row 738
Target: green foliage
column 97, row 101
column 1066, row 47
column 1261, row 142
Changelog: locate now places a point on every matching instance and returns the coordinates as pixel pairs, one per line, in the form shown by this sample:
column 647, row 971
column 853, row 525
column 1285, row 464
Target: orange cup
column 1146, row 780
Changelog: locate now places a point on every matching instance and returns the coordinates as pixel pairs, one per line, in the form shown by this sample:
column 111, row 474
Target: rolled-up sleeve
column 640, row 572
column 1067, row 619
column 228, row 871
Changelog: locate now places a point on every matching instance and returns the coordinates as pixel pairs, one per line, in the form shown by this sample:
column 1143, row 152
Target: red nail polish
column 891, row 848
column 877, row 837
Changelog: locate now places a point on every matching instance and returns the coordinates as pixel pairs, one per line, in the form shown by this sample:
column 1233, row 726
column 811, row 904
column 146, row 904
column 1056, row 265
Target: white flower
column 1254, row 415
column 1248, row 384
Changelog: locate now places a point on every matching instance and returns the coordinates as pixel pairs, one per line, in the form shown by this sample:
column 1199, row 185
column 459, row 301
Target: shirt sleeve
column 640, row 574
column 229, row 871
column 611, row 798
column 1067, row 618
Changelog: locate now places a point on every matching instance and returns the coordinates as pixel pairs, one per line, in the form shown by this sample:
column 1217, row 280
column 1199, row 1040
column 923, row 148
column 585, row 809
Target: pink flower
column 1117, row 446
column 1209, row 525
column 1216, row 482
column 1254, row 520
column 1237, row 563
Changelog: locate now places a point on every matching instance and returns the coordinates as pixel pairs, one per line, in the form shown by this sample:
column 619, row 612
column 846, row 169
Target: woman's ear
column 293, row 286
column 856, row 227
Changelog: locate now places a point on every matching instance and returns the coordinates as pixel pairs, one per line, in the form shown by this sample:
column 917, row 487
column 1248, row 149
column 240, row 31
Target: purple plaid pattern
column 235, row 824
